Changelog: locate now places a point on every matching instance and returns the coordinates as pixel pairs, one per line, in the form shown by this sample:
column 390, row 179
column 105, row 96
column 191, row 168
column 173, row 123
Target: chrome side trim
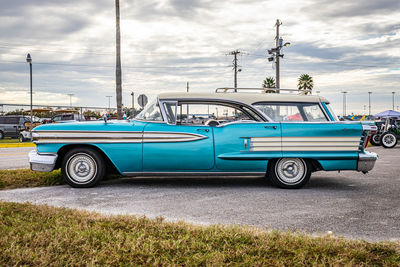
column 194, row 173
column 57, row 137
column 304, row 143
column 42, row 162
column 366, row 161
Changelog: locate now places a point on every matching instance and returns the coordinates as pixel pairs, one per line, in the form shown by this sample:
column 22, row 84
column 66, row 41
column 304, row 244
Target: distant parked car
column 71, row 117
column 10, row 126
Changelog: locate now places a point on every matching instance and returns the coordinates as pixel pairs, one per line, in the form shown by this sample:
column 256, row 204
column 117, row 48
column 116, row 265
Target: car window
column 56, row 118
column 68, row 117
column 200, row 113
column 292, row 111
column 151, row 112
column 11, row 120
column 314, row 113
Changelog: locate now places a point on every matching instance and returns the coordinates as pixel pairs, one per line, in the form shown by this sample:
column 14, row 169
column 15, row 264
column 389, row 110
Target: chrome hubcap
column 290, row 170
column 389, row 139
column 81, row 168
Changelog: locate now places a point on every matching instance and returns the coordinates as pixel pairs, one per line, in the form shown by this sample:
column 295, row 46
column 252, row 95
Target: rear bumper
column 42, row 162
column 366, row 161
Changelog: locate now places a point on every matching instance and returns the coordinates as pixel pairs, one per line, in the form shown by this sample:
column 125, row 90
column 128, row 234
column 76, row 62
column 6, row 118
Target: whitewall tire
column 388, row 140
column 290, row 173
column 83, row 167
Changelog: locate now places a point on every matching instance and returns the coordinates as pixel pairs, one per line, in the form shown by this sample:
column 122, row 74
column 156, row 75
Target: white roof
column 248, row 98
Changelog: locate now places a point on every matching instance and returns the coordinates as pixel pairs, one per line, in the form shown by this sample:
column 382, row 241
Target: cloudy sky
column 344, row 45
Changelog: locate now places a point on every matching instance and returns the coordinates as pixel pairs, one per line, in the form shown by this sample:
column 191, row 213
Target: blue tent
column 388, row 113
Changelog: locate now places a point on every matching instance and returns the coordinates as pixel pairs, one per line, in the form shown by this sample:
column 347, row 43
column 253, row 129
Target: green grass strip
column 10, row 179
column 41, row 236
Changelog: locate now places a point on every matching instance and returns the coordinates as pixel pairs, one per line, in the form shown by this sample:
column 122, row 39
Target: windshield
column 292, row 111
column 151, row 112
column 331, row 111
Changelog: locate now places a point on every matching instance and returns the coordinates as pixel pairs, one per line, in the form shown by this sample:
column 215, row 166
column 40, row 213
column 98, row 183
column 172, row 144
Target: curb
column 17, row 145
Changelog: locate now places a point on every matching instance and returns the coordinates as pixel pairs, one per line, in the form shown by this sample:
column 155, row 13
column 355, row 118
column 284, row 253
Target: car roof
column 248, row 98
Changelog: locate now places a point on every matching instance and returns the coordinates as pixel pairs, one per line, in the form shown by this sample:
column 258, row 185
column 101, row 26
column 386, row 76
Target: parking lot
column 347, row 203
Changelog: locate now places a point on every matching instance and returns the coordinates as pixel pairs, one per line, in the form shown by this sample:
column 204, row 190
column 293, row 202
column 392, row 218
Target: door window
column 200, row 113
column 292, row 111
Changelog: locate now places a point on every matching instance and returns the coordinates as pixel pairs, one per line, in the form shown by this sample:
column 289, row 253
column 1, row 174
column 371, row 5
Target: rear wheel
column 83, row 167
column 290, row 173
column 21, row 138
column 388, row 140
column 1, row 135
column 375, row 140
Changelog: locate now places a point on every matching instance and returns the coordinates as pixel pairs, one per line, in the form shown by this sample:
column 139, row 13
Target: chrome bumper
column 42, row 162
column 366, row 161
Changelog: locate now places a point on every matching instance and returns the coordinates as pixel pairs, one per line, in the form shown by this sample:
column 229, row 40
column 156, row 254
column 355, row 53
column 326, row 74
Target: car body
column 11, row 125
column 209, row 134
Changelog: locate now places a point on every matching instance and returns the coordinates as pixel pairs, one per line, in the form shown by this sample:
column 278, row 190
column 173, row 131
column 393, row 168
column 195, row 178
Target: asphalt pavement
column 347, row 203
column 14, row 157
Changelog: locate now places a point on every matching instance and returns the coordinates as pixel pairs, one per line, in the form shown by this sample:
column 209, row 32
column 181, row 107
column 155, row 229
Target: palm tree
column 118, row 79
column 305, row 83
column 269, row 82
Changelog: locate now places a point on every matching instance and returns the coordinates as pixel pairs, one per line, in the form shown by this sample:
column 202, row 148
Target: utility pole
column 235, row 66
column 276, row 54
column 187, row 105
column 344, row 103
column 393, row 100
column 187, row 87
column 118, row 72
column 369, row 104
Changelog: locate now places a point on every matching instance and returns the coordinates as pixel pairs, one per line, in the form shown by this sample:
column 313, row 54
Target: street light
column 70, row 99
column 109, row 97
column 369, row 104
column 393, row 100
column 344, row 102
column 29, row 60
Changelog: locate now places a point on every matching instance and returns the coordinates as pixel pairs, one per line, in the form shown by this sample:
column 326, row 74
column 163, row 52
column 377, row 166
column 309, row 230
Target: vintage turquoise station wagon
column 284, row 137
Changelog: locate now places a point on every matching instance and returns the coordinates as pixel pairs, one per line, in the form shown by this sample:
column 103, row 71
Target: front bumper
column 366, row 161
column 42, row 162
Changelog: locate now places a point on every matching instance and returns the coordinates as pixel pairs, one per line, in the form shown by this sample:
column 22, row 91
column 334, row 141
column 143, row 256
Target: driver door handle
column 203, row 130
column 269, row 126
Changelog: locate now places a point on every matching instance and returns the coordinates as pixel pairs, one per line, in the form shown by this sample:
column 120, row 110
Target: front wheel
column 289, row 173
column 388, row 140
column 83, row 167
column 375, row 140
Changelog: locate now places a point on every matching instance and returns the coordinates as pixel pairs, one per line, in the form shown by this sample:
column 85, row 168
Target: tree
column 305, row 83
column 269, row 82
column 118, row 79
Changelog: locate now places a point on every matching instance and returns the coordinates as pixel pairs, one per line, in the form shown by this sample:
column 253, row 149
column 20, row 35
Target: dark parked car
column 10, row 126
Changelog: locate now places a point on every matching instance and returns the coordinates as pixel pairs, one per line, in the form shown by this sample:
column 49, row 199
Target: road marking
column 11, row 154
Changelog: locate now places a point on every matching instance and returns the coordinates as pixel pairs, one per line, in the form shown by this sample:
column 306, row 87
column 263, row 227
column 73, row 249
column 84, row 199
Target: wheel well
column 110, row 168
column 315, row 165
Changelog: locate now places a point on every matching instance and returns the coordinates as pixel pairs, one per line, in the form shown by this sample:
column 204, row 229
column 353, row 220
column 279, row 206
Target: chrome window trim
column 213, row 100
column 318, row 103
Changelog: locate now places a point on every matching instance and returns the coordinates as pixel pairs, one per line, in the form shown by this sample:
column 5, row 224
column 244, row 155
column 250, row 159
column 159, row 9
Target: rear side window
column 292, row 111
column 11, row 120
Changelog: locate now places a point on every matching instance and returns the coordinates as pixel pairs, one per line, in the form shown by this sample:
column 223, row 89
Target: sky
column 344, row 45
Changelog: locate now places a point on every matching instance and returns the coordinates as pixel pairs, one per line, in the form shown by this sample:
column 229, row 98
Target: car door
column 247, row 146
column 177, row 148
column 11, row 126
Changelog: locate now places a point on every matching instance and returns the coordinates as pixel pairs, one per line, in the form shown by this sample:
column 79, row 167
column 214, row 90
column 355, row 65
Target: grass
column 10, row 179
column 41, row 236
column 8, row 140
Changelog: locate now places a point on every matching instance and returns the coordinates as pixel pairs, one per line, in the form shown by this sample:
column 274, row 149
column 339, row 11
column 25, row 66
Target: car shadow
column 329, row 183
